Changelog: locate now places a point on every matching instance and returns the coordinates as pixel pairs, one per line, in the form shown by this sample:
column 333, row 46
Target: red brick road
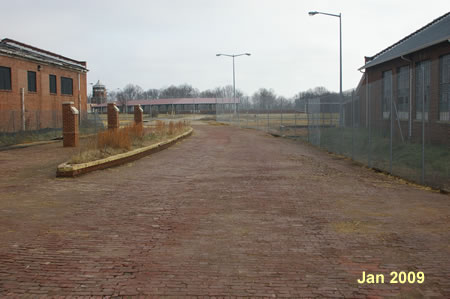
column 226, row 212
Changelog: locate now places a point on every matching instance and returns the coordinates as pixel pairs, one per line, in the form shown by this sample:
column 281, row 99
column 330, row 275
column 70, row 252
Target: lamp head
column 248, row 54
column 218, row 54
column 312, row 13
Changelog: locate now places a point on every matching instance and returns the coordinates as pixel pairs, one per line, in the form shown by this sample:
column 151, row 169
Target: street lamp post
column 234, row 82
column 313, row 13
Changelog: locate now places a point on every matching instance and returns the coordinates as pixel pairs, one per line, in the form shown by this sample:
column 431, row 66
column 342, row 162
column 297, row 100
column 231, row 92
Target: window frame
column 386, row 99
column 32, row 82
column 50, row 77
column 8, row 81
column 403, row 91
column 418, row 89
column 444, row 88
column 64, row 81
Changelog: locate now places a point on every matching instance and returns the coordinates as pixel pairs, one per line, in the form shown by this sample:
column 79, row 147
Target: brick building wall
column 436, row 130
column 40, row 104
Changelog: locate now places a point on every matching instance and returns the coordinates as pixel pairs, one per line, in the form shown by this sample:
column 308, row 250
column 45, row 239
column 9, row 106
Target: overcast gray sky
column 157, row 43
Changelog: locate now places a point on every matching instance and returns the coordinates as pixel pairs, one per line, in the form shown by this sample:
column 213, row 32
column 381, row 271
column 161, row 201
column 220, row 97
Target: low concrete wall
column 72, row 170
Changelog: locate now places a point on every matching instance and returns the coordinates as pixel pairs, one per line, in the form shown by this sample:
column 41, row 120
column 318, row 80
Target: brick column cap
column 74, row 110
column 115, row 107
column 138, row 107
column 68, row 103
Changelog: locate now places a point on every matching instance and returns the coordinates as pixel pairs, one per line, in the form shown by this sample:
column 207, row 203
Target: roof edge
column 8, row 40
column 367, row 65
column 406, row 38
column 56, row 62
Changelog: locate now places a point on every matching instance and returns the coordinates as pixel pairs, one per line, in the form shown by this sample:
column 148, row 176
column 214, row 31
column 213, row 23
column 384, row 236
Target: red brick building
column 411, row 80
column 33, row 85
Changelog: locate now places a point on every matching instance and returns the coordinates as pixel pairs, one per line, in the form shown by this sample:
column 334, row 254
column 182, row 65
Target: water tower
column 98, row 93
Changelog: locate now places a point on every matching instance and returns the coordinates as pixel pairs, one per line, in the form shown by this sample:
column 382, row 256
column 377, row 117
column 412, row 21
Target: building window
column 387, row 94
column 423, row 72
column 444, row 87
column 52, row 81
column 403, row 92
column 5, row 78
column 32, row 81
column 66, row 86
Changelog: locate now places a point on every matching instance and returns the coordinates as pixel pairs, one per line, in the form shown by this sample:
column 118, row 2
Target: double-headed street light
column 313, row 13
column 234, row 82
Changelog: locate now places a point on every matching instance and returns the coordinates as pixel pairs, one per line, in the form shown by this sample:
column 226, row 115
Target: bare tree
column 151, row 94
column 284, row 103
column 111, row 96
column 222, row 92
column 209, row 94
column 128, row 93
column 264, row 98
column 302, row 96
column 181, row 91
column 132, row 92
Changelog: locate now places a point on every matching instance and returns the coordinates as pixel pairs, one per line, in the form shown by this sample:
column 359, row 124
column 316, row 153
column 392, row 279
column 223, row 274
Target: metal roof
column 180, row 101
column 99, row 85
column 431, row 34
column 14, row 48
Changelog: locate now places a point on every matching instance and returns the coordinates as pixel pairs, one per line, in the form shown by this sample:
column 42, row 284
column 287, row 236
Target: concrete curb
column 73, row 170
column 35, row 143
column 25, row 145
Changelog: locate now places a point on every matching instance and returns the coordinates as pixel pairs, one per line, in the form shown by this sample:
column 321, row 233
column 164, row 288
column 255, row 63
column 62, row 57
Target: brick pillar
column 113, row 116
column 138, row 115
column 70, row 124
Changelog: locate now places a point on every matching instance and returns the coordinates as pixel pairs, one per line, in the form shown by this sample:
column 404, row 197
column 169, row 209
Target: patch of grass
column 112, row 142
column 90, row 124
column 406, row 155
column 20, row 137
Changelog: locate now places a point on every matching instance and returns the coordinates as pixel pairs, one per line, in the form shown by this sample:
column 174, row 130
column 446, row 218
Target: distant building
column 414, row 76
column 177, row 106
column 33, row 85
column 98, row 93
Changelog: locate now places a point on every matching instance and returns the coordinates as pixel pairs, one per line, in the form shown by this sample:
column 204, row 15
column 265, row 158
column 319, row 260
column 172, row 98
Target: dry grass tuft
column 112, row 142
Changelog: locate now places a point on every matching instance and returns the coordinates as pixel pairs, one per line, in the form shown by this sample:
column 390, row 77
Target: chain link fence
column 391, row 125
column 279, row 121
column 17, row 127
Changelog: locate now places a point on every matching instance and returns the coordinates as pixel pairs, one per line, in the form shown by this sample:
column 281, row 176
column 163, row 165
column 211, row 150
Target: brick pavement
column 224, row 213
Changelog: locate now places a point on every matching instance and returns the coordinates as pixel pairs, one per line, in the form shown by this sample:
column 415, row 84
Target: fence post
column 369, row 152
column 13, row 121
column 295, row 123
column 343, row 127
column 423, row 124
column 238, row 116
column 95, row 121
column 37, row 117
column 138, row 115
column 22, row 98
column 353, row 127
column 281, row 117
column 247, row 116
column 307, row 118
column 391, row 127
column 70, row 124
column 113, row 116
